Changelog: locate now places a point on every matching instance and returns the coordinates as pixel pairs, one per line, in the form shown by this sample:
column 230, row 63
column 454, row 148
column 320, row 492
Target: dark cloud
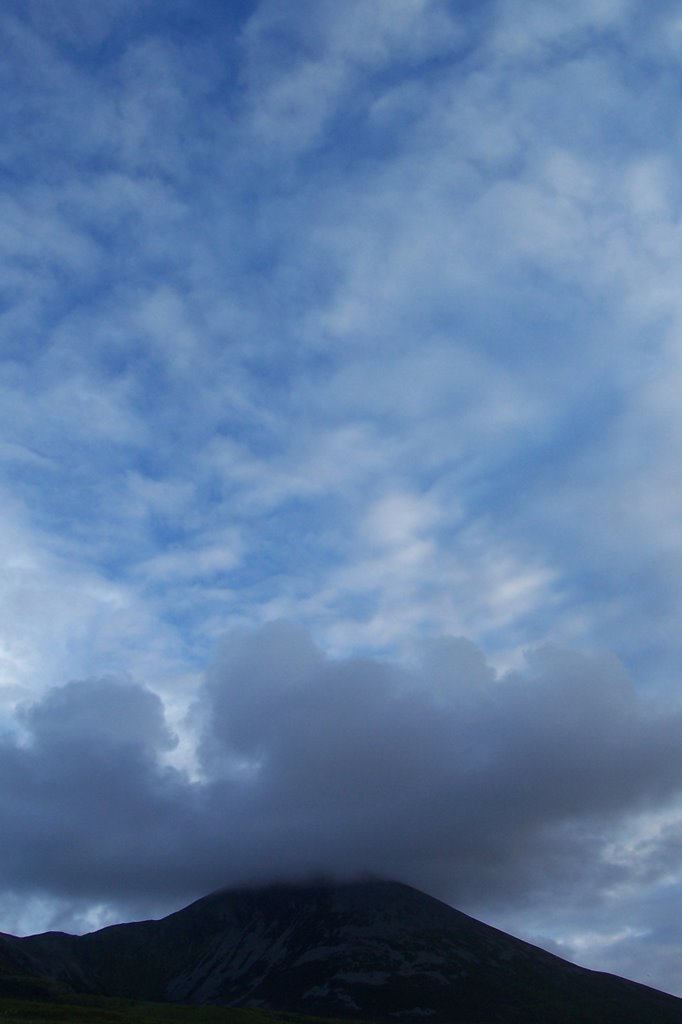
column 478, row 787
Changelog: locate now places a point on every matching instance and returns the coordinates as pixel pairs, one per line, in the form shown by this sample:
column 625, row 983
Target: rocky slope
column 374, row 950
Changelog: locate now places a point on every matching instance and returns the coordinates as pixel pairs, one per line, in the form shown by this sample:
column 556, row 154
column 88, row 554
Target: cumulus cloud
column 489, row 789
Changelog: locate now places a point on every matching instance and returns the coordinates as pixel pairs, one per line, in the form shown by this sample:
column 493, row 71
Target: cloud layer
column 274, row 277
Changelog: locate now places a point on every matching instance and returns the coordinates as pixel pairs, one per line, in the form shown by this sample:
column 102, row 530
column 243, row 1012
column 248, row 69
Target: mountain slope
column 377, row 950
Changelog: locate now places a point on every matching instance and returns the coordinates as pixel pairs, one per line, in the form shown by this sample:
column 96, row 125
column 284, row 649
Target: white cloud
column 289, row 105
column 527, row 31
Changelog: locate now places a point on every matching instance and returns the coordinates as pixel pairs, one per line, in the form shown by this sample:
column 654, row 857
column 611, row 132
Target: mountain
column 374, row 950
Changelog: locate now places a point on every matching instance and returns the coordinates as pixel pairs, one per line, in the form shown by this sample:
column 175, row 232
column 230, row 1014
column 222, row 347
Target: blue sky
column 361, row 317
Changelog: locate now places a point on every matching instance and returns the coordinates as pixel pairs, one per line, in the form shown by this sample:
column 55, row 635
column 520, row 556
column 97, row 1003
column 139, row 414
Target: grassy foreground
column 105, row 1010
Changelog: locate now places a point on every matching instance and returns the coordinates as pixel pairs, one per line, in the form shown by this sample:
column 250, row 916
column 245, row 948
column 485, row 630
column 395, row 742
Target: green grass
column 105, row 1010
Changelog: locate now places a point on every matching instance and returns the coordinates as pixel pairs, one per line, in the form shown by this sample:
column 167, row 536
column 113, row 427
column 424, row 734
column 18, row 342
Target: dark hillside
column 375, row 950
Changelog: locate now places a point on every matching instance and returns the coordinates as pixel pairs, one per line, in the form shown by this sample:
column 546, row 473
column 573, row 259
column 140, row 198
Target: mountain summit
column 373, row 950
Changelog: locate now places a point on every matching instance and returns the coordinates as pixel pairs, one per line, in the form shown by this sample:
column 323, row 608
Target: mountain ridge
column 372, row 949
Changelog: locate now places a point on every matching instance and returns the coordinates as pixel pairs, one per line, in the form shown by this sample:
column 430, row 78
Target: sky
column 341, row 354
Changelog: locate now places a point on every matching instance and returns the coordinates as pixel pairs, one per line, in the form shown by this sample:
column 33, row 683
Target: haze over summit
column 339, row 506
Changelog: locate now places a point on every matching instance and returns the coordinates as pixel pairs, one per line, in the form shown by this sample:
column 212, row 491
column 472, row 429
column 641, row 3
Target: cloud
column 288, row 106
column 492, row 790
column 430, row 310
